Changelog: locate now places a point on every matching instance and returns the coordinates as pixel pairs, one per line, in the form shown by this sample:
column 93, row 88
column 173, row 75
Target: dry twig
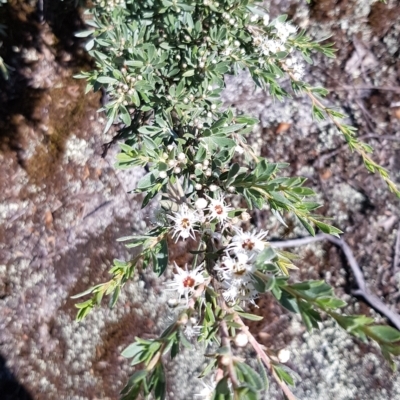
column 264, row 357
column 396, row 259
column 362, row 291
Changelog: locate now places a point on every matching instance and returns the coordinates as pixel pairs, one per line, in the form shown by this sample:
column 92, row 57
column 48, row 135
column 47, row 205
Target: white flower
column 239, row 149
column 192, row 330
column 207, row 393
column 184, row 222
column 271, row 46
column 298, row 71
column 266, row 19
column 218, row 209
column 236, row 271
column 284, row 30
column 186, row 281
column 213, row 188
column 247, row 242
column 163, row 175
column 242, row 293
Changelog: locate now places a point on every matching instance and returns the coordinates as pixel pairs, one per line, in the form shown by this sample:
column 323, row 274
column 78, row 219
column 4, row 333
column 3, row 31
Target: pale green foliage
column 162, row 64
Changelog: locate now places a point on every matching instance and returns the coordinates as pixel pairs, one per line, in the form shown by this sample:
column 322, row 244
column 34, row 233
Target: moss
column 65, row 115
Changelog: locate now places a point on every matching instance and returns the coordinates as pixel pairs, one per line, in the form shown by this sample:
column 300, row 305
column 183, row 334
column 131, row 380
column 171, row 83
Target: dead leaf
column 282, row 127
column 48, row 219
column 396, row 113
column 361, row 59
column 326, row 174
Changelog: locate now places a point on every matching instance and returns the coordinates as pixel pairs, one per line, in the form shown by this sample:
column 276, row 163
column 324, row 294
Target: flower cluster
column 187, row 221
column 109, row 5
column 275, row 41
column 295, row 67
column 174, row 162
column 236, row 268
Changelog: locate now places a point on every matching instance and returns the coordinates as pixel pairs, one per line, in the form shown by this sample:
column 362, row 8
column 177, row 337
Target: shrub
column 162, row 64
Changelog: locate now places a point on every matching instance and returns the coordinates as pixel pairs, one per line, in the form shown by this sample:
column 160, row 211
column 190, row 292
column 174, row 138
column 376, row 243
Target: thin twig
column 362, row 290
column 320, row 161
column 226, row 342
column 350, row 88
column 397, row 250
column 264, row 357
column 41, row 11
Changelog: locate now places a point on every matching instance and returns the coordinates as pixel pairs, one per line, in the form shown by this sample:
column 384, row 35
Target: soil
column 62, row 205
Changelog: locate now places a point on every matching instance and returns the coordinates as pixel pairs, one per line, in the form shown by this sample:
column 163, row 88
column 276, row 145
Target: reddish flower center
column 248, row 244
column 239, row 270
column 219, row 209
column 185, row 223
column 188, row 282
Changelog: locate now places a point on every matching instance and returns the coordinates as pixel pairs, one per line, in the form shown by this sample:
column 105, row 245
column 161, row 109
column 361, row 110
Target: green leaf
column 106, row 79
column 289, row 302
column 383, row 333
column 162, row 257
column 250, row 376
column 132, row 350
column 250, row 317
column 85, row 33
column 222, row 388
column 126, row 118
column 188, row 73
column 147, row 181
column 283, row 375
column 266, row 256
column 306, row 225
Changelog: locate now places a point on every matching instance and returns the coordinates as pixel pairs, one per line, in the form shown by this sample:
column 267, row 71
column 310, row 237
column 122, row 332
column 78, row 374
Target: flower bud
column 245, row 216
column 163, row 175
column 241, row 339
column 184, row 319
column 284, row 356
column 201, row 203
column 225, row 360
